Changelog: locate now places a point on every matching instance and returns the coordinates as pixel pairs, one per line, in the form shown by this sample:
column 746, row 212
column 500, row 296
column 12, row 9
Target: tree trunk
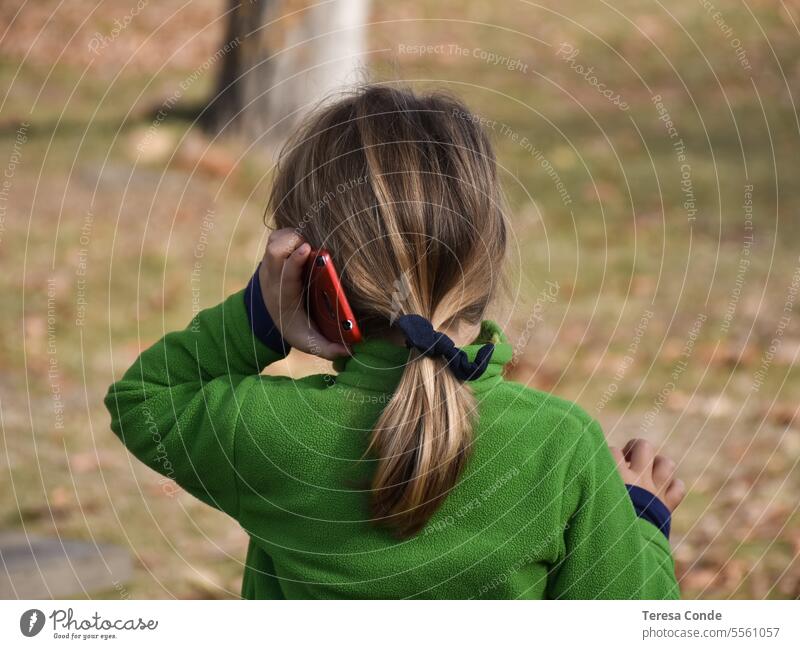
column 281, row 60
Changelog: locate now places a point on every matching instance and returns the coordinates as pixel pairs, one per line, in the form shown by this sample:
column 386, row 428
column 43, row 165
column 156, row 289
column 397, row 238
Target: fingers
column 656, row 473
column 283, row 264
column 639, row 453
column 663, row 470
column 675, row 494
column 318, row 345
column 332, row 351
column 622, row 464
column 294, row 266
column 280, row 245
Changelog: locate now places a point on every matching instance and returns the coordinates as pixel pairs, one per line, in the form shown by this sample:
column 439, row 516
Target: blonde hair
column 402, row 188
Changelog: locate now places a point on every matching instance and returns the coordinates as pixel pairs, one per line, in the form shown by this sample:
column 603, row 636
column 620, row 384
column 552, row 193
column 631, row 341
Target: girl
column 417, row 470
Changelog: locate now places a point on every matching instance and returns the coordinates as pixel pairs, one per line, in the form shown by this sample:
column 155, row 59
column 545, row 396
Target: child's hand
column 639, row 465
column 281, row 279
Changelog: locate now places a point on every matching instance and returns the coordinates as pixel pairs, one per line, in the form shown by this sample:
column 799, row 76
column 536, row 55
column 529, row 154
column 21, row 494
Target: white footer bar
column 400, row 625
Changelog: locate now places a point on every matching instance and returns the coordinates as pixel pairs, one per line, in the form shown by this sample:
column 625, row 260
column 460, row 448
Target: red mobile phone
column 326, row 302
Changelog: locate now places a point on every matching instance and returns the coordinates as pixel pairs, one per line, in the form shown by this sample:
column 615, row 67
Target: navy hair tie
column 421, row 335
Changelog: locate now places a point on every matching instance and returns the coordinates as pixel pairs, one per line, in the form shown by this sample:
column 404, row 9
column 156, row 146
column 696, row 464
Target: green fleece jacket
column 539, row 510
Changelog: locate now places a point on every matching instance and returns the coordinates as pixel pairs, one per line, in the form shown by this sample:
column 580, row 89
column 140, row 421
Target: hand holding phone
column 282, row 279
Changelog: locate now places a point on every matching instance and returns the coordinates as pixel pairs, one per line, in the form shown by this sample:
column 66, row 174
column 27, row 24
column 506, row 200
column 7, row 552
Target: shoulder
column 532, row 402
column 558, row 439
column 544, row 420
column 554, row 443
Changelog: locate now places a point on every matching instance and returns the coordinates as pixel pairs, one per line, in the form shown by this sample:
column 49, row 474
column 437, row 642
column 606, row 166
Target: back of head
column 402, row 188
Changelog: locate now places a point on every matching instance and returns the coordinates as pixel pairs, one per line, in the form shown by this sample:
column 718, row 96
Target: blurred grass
column 621, row 247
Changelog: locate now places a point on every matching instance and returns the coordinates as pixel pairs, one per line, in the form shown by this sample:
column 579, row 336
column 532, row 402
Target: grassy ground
column 657, row 327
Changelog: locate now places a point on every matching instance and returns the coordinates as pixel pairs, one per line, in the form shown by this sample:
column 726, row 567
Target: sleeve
column 610, row 551
column 178, row 406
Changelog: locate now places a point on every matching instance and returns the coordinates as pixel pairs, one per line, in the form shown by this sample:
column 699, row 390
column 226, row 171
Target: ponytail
column 422, row 441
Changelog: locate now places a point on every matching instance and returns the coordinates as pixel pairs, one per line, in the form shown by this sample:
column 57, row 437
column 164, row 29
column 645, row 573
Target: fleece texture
column 539, row 511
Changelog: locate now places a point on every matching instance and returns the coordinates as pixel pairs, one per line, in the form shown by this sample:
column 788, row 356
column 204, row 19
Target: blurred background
column 650, row 154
